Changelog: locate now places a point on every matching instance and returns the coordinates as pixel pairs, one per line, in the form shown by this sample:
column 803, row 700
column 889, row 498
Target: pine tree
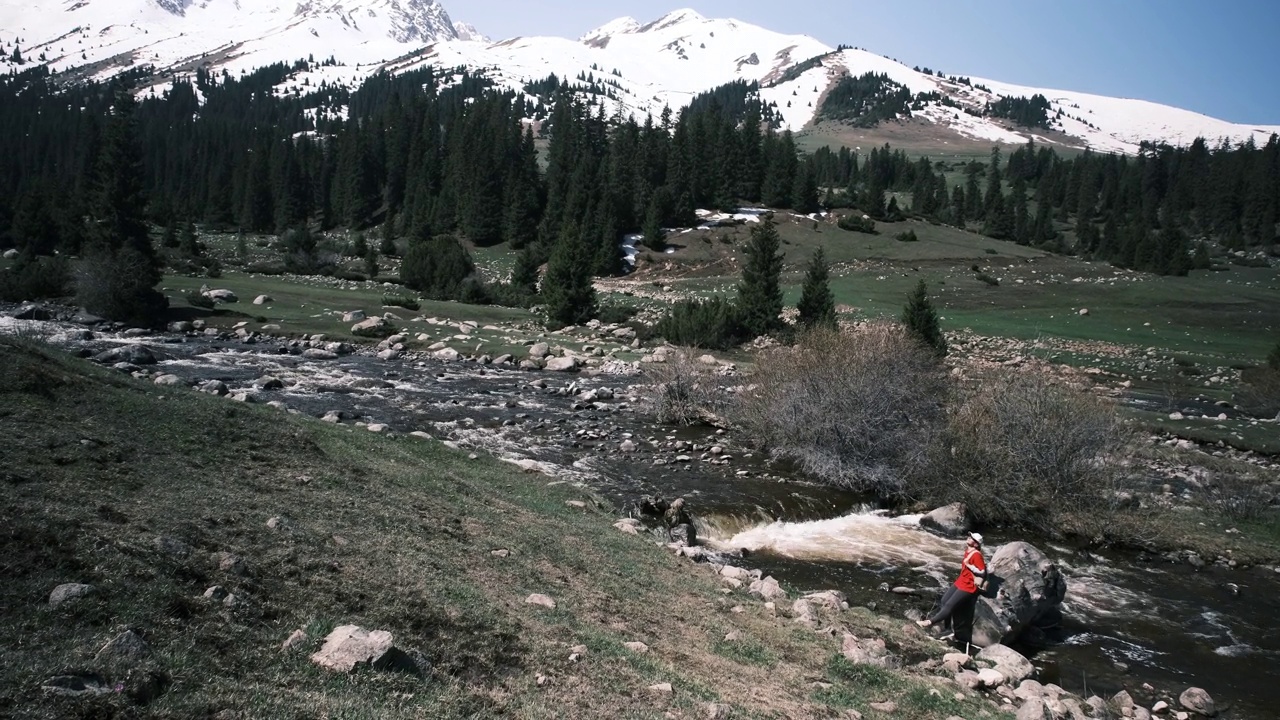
column 654, row 237
column 567, row 292
column 1273, row 360
column 804, row 194
column 817, row 305
column 190, row 242
column 371, row 262
column 525, row 275
column 170, row 238
column 760, row 291
column 120, row 270
column 921, row 320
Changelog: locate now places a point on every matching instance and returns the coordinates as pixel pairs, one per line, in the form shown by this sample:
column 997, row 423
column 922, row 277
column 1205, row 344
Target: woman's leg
column 950, row 602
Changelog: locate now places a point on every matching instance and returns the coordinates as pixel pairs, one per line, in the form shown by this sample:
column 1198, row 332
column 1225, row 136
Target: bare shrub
column 1237, row 496
column 1020, row 450
column 857, row 408
column 685, row 391
column 120, row 286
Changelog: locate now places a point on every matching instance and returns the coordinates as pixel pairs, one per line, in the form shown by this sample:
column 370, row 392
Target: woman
column 965, row 589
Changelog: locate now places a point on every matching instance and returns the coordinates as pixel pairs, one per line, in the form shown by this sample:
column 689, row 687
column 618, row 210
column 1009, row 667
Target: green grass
column 387, row 532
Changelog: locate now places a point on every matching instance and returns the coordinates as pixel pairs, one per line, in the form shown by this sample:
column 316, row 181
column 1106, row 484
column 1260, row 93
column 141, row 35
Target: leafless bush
column 685, row 391
column 858, row 408
column 1237, row 496
column 1020, row 450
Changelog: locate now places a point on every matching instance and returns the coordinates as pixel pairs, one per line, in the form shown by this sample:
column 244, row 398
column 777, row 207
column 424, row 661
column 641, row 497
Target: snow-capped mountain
column 102, row 37
column 629, row 67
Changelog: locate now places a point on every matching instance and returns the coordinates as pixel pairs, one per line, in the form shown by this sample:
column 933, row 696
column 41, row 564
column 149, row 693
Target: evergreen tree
column 437, row 266
column 359, row 246
column 170, row 238
column 371, row 262
column 567, row 292
column 525, row 275
column 190, row 242
column 921, row 320
column 817, row 305
column 760, row 291
column 120, row 270
column 1273, row 360
column 387, row 245
column 653, row 236
column 804, row 194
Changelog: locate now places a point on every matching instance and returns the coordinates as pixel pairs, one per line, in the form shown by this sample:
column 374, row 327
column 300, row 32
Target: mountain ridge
column 628, row 67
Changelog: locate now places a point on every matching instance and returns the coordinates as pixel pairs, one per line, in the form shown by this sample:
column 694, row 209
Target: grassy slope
column 390, row 533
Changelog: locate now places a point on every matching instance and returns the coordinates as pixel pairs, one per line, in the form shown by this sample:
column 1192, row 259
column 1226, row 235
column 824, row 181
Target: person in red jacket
column 973, row 570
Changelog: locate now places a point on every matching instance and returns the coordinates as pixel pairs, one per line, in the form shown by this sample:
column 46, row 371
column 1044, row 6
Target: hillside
column 155, row 496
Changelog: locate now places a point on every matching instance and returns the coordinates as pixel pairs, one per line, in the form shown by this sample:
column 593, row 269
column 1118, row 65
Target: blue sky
column 1219, row 58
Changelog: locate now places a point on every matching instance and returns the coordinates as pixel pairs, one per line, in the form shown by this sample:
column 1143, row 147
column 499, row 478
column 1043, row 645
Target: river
column 1129, row 619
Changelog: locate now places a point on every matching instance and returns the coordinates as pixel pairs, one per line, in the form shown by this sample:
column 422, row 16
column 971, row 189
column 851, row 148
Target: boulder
column 127, row 647
column 373, row 327
column 953, row 520
column 1008, row 662
column 562, row 364
column 267, row 382
column 318, row 354
column 11, row 254
column 447, row 354
column 214, row 387
column 991, row 678
column 1025, row 587
column 181, row 326
column 539, row 351
column 767, row 588
column 1198, row 701
column 168, row 381
column 864, row 652
column 132, row 354
column 79, row 685
column 31, row 311
column 636, row 646
column 349, row 646
column 68, row 593
column 354, row 316
column 264, row 299
column 1034, row 709
column 221, row 295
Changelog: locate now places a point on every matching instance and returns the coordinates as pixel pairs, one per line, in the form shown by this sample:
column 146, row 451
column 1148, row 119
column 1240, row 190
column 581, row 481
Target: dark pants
column 953, row 600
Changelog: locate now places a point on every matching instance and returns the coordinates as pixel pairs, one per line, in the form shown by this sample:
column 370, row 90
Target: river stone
column 221, row 295
column 990, row 678
column 181, row 326
column 168, row 381
column 354, row 316
column 833, row 600
column 1034, row 709
column 1026, row 586
column 767, row 588
column 68, row 593
column 953, row 520
column 349, row 646
column 1009, row 662
column 543, row 600
column 318, row 354
column 562, row 364
column 32, row 311
column 264, row 299
column 539, row 351
column 1198, row 701
column 214, row 387
column 447, row 354
column 132, row 354
column 267, row 382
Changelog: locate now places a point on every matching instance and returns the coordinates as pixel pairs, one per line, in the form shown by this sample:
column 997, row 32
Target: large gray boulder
column 1025, row 587
column 132, row 354
column 953, row 520
column 350, row 646
column 373, row 327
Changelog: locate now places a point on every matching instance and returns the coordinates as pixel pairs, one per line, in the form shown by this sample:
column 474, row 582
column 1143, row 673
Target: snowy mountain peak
column 675, row 17
column 621, row 26
column 467, row 31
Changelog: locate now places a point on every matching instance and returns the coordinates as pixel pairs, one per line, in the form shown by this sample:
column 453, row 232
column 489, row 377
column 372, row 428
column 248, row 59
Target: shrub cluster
column 907, row 236
column 715, row 323
column 858, row 223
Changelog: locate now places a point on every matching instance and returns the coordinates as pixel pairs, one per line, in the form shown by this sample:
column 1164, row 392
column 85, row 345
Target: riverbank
column 223, row 542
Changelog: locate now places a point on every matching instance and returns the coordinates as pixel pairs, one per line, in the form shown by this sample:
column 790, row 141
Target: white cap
column 977, row 537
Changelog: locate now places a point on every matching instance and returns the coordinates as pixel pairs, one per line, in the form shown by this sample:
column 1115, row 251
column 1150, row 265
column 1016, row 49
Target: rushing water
column 1127, row 621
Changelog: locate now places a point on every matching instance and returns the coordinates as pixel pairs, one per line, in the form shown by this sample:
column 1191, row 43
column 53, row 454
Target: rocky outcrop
column 1025, row 587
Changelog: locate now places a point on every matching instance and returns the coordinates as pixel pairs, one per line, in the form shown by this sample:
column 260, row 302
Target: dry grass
column 386, row 532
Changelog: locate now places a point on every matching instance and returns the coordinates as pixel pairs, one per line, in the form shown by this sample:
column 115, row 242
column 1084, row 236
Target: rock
column 11, row 254
column 214, row 387
column 708, row 360
column 264, row 299
column 562, row 364
column 319, row 354
column 664, row 688
column 954, row 520
column 217, row 593
column 71, row 336
column 718, row 711
column 132, row 354
column 349, row 646
column 354, row 316
column 125, row 648
column 181, row 326
column 229, row 563
column 887, row 707
column 277, row 523
column 168, row 381
column 990, row 678
column 539, row 351
column 447, row 354
column 221, row 295
column 372, row 327
column 960, row 660
column 627, row 528
column 832, row 600
column 737, row 573
column 1027, row 587
column 636, row 647
column 1123, row 703
column 378, row 427
column 171, row 546
column 628, row 446
column 768, row 589
column 268, row 382
column 69, row 593
column 79, row 685
column 1011, row 664
column 864, row 652
column 32, row 311
column 388, row 354
column 1159, row 707
column 1198, row 701
column 540, row 599
column 1083, row 311
column 1034, row 709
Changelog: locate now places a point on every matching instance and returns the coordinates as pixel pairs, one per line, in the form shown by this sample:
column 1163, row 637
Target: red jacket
column 972, row 560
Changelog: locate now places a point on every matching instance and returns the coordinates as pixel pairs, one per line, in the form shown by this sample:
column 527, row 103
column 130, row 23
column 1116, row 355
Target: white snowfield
column 643, row 66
